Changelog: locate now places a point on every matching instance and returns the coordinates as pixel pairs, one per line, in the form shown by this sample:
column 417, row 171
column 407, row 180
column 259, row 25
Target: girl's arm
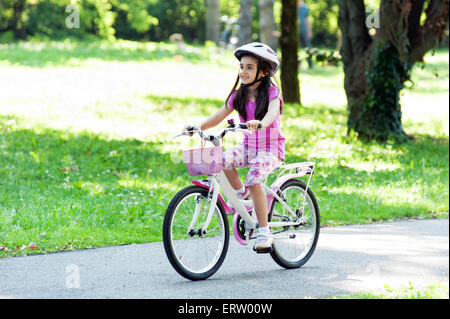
column 272, row 112
column 216, row 118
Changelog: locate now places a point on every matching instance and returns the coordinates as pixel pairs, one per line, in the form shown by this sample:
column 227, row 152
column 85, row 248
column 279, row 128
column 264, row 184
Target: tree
column 245, row 22
column 212, row 20
column 267, row 23
column 377, row 67
column 289, row 55
column 18, row 19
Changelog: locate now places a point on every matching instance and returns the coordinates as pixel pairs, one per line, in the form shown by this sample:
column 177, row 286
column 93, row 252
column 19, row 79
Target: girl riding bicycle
column 259, row 104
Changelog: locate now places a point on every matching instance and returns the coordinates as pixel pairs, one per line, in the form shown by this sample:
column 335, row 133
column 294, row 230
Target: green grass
column 432, row 291
column 87, row 159
column 73, row 53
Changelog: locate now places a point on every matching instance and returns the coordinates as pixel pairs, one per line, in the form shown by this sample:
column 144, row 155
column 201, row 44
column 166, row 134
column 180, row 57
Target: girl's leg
column 265, row 238
column 234, row 178
column 233, row 158
column 262, row 165
column 259, row 204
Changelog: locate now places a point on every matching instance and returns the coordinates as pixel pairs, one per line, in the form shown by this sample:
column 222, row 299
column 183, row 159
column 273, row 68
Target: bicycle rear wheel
column 294, row 245
column 194, row 254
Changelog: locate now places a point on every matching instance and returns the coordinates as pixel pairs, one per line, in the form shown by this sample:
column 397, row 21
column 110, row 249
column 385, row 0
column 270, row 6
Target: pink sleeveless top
column 269, row 138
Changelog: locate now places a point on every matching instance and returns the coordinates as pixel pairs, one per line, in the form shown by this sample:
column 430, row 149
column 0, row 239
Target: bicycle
column 196, row 229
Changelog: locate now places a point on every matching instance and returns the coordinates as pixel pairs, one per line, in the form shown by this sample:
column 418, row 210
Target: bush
column 321, row 56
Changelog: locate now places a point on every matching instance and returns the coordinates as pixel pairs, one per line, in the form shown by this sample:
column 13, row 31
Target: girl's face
column 248, row 68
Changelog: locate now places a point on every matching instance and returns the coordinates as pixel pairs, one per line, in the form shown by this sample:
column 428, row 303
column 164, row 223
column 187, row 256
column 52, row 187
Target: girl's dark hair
column 262, row 94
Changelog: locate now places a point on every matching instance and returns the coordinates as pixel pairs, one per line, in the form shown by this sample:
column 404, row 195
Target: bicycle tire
column 173, row 253
column 306, row 253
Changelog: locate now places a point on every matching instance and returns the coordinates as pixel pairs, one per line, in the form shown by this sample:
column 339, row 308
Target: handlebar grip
column 191, row 130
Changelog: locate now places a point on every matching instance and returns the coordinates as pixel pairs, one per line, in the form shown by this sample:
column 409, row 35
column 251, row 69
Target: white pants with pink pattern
column 261, row 163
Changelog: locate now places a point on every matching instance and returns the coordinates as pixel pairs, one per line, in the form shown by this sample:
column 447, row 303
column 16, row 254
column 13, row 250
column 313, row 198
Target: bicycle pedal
column 263, row 251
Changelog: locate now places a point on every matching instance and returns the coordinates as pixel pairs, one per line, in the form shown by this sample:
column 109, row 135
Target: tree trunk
column 245, row 22
column 289, row 57
column 17, row 19
column 376, row 69
column 356, row 43
column 267, row 31
column 212, row 20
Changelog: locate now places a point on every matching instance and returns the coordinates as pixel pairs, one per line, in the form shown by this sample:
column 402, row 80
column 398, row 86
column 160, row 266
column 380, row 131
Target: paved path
column 348, row 259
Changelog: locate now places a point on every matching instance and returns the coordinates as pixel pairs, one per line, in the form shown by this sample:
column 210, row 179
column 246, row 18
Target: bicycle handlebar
column 241, row 127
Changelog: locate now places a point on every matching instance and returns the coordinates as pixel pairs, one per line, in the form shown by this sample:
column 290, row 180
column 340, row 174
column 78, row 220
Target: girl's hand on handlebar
column 254, row 125
column 186, row 129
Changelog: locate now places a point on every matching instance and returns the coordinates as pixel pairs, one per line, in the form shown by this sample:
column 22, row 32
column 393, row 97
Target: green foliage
column 133, row 18
column 324, row 20
column 178, row 16
column 99, row 18
column 7, row 36
column 6, row 13
column 47, row 18
column 229, row 7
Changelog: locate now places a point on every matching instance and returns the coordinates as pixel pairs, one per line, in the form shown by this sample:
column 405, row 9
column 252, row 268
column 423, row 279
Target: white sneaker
column 263, row 242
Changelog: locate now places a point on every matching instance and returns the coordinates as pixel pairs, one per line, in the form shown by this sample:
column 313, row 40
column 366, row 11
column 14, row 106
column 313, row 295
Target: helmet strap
column 258, row 69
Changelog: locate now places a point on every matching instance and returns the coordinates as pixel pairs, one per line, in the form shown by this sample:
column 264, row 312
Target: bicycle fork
column 212, row 200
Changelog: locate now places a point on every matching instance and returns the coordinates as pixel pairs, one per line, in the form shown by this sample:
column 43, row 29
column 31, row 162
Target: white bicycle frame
column 221, row 180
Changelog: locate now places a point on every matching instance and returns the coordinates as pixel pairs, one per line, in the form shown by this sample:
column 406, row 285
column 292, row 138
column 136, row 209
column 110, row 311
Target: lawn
column 437, row 290
column 87, row 159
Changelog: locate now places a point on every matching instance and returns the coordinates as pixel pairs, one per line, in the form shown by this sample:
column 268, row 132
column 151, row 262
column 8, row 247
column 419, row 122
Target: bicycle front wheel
column 294, row 245
column 194, row 252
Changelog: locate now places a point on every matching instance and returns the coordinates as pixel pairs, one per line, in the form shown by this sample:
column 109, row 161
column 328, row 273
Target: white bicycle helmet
column 261, row 51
